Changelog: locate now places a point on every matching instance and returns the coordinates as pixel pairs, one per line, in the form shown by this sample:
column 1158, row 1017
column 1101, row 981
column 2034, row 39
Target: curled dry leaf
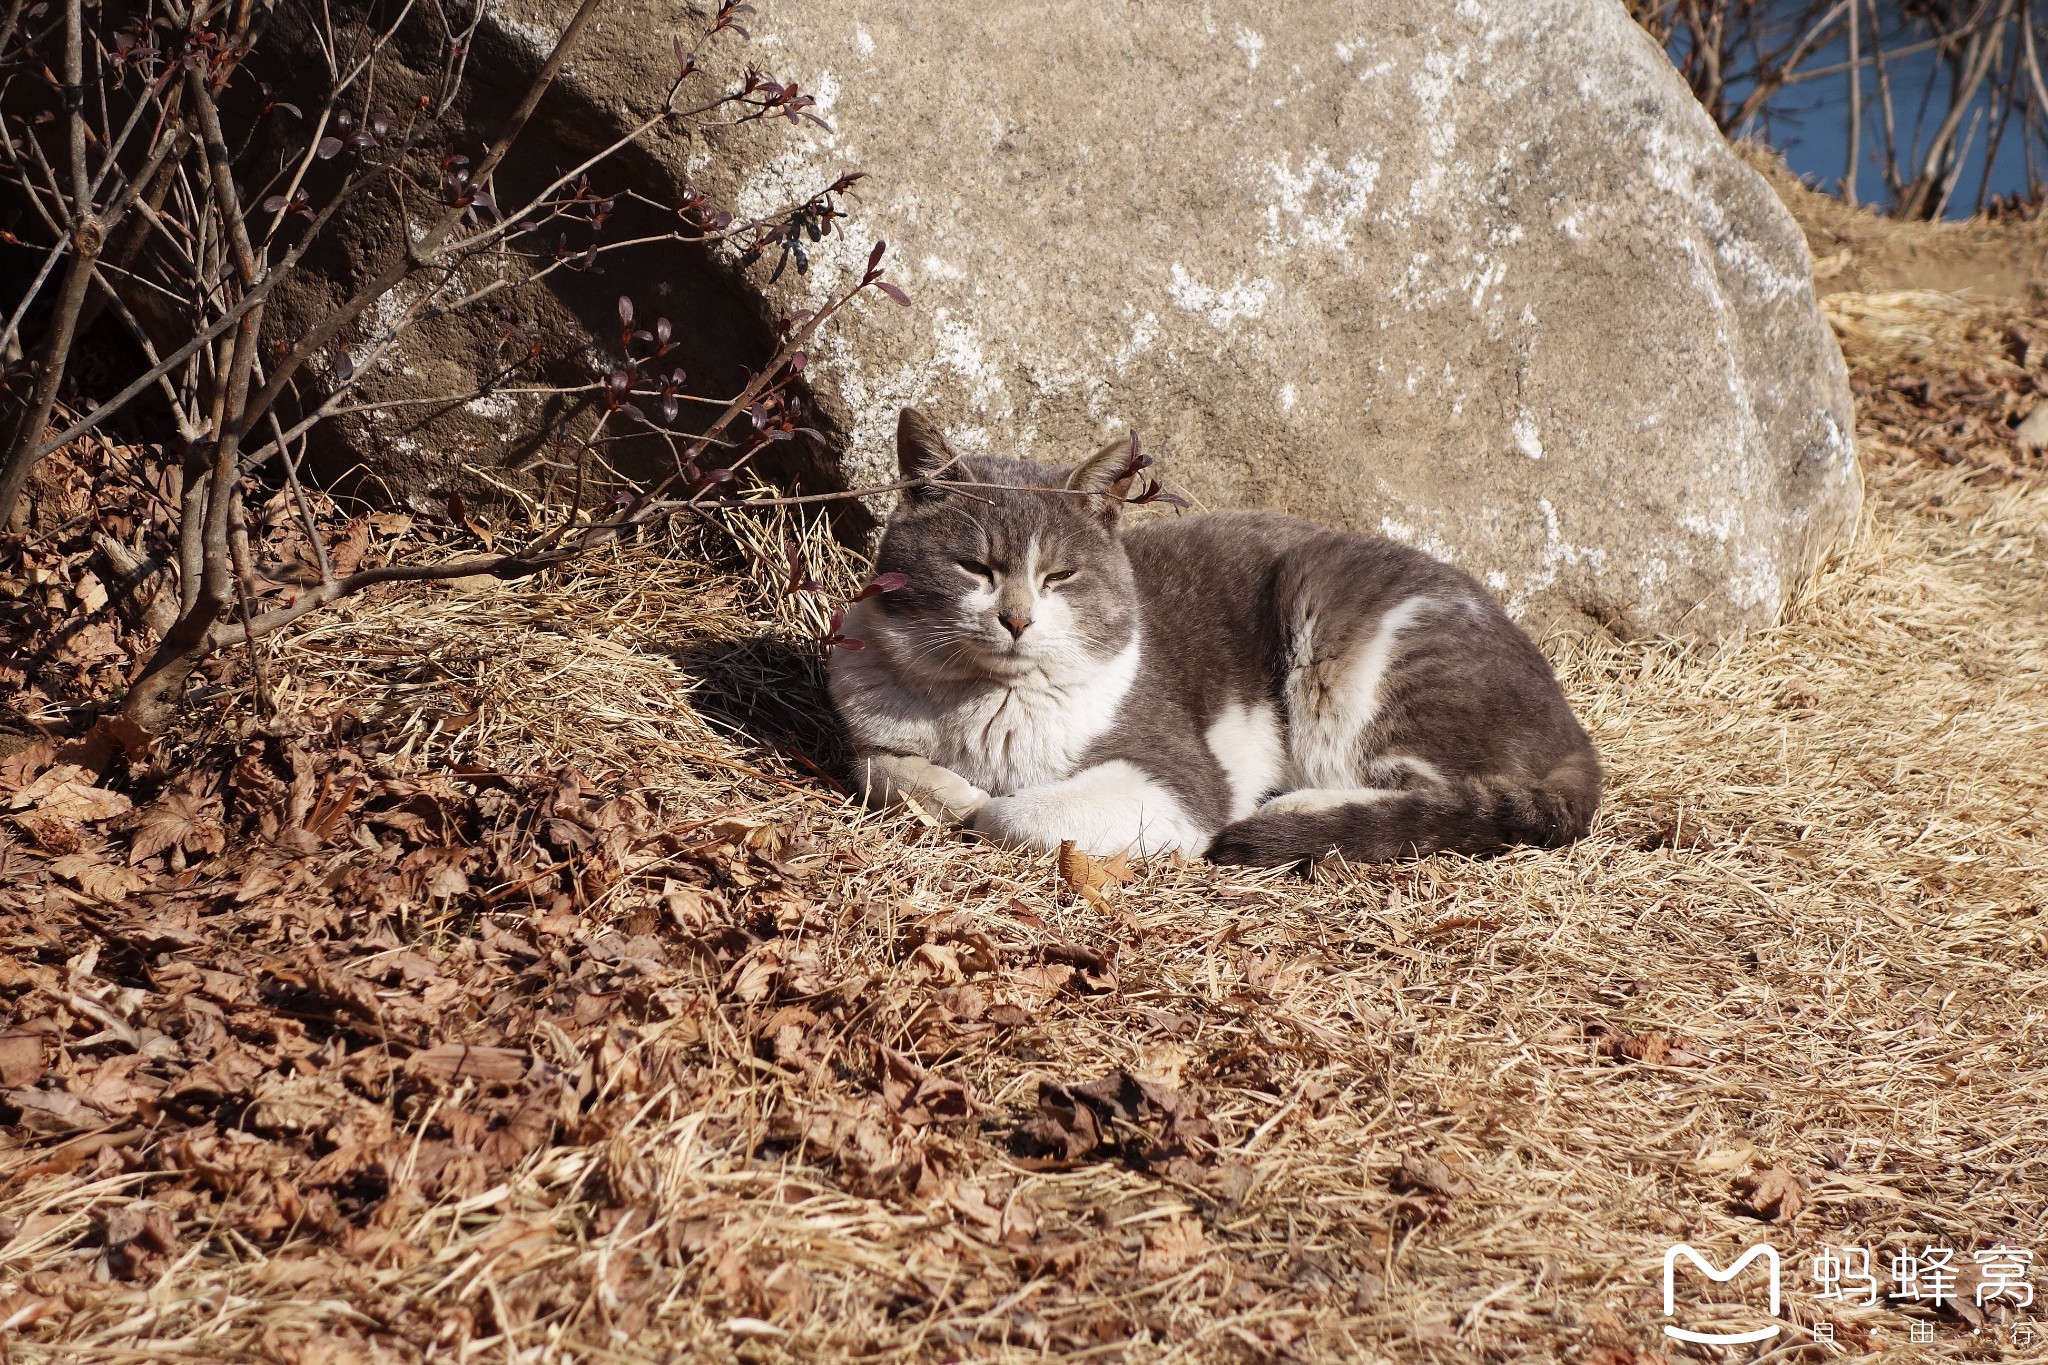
column 1421, row 1171
column 135, row 1236
column 257, row 882
column 1724, row 1160
column 98, row 878
column 918, row 1096
column 110, row 735
column 1172, row 1245
column 24, row 766
column 757, row 976
column 51, row 1112
column 1776, row 1194
column 1090, row 969
column 1652, row 1048
column 971, row 1201
column 22, row 1311
column 346, row 554
column 1095, row 880
column 938, row 962
column 874, row 1153
column 66, row 792
column 1149, row 1126
column 92, row 594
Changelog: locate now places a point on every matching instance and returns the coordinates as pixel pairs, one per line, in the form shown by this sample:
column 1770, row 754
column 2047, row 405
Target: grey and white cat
column 1235, row 684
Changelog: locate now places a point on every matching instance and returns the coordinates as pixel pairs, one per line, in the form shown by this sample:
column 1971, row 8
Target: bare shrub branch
column 214, row 210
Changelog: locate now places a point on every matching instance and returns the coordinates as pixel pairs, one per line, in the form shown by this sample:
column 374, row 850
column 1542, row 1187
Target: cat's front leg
column 886, row 779
column 1111, row 808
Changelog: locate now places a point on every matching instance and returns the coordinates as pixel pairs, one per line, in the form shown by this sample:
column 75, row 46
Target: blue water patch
column 1808, row 122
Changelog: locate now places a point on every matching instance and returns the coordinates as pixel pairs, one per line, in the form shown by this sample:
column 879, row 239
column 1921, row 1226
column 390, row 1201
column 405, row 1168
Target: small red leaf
column 888, row 582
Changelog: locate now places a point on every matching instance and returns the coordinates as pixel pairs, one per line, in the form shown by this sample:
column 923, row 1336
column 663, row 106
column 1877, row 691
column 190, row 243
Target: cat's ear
column 1105, row 477
column 921, row 451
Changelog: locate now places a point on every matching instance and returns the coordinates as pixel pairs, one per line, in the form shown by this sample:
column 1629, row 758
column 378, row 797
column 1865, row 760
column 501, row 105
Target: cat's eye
column 978, row 569
column 1062, row 576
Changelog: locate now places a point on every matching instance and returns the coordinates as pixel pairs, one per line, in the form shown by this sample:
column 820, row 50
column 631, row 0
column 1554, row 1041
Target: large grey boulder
column 1478, row 276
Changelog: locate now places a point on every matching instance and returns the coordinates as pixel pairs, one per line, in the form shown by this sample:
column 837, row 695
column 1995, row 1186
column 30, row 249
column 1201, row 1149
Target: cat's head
column 1021, row 574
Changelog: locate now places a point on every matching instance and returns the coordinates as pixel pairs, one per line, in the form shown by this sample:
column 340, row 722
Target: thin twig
column 88, row 237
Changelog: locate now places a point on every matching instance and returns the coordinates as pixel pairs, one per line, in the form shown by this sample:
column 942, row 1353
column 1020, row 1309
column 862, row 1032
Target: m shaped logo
column 1763, row 1251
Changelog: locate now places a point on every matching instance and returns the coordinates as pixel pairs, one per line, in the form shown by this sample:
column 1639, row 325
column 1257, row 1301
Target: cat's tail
column 1468, row 815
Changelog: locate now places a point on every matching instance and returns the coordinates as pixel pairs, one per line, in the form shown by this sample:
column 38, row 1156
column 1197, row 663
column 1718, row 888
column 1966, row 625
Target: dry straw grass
column 1926, row 328
column 1809, row 934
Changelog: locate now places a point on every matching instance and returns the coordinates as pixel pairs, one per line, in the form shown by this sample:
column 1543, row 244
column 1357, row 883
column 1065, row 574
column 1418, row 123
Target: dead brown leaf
column 21, row 1058
column 1421, row 1171
column 1095, row 880
column 98, row 878
column 1171, row 1245
column 256, row 882
column 1776, row 1194
column 18, row 1312
column 66, row 792
column 136, row 1237
column 1651, row 1048
column 51, row 1111
column 180, row 821
column 345, row 555
column 919, row 1096
column 1121, row 1116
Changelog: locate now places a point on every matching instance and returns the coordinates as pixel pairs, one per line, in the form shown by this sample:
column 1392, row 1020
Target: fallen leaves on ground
column 1952, row 379
column 286, row 983
column 1120, row 1117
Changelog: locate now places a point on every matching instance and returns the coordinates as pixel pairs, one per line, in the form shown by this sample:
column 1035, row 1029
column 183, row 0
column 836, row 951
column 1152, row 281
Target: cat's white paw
column 1105, row 810
column 889, row 778
column 1013, row 822
column 953, row 797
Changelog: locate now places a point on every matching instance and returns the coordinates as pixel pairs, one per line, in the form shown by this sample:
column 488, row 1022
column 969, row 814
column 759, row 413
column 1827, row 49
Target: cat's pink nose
column 1014, row 623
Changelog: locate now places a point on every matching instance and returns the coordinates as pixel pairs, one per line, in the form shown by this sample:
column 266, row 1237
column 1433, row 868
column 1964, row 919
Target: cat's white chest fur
column 1001, row 735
